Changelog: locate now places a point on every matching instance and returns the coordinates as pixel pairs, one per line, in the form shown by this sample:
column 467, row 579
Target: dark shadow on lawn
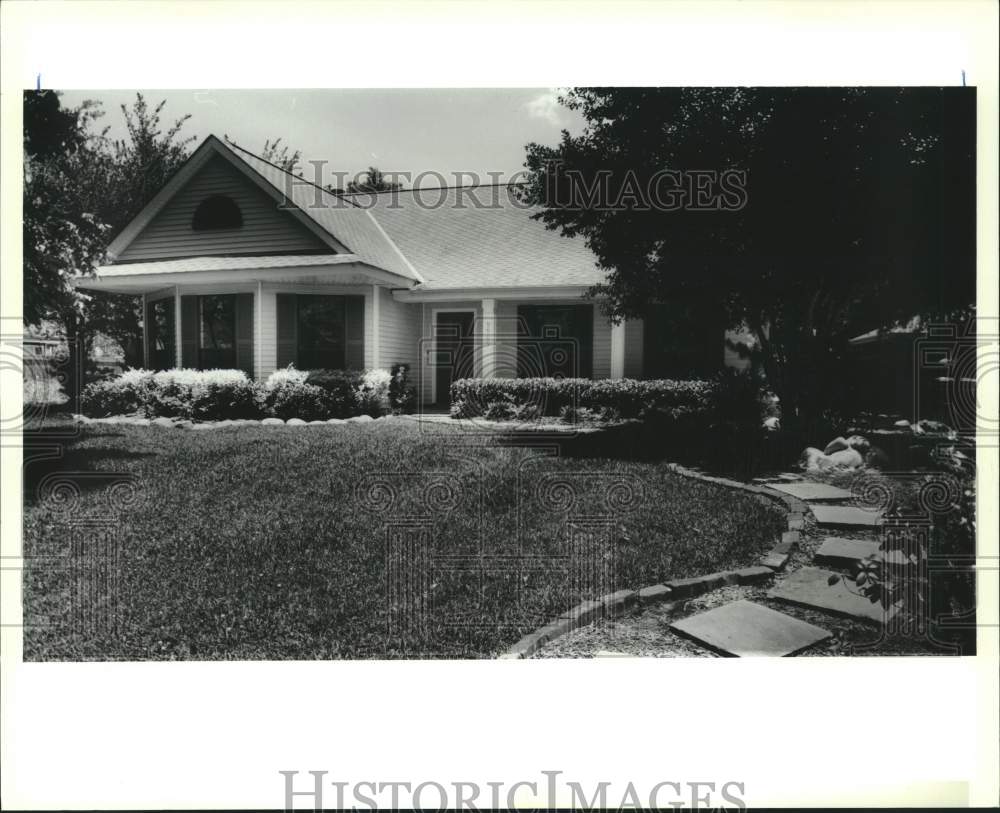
column 56, row 467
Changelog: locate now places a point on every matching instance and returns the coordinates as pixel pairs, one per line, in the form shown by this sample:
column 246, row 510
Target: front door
column 455, row 351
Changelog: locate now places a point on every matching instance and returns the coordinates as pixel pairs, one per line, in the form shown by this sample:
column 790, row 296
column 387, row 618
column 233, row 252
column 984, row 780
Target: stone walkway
column 798, row 613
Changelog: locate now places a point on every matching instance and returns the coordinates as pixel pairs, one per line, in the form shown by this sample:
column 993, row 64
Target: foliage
column 402, row 394
column 228, row 394
column 629, row 398
column 250, row 542
column 372, row 180
column 373, row 392
column 293, row 399
column 80, row 188
column 859, row 211
column 277, row 153
column 286, row 375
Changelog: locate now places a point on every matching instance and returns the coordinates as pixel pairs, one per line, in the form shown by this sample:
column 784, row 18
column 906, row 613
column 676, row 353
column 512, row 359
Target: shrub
column 235, row 400
column 619, row 398
column 293, row 399
column 402, row 395
column 341, row 387
column 286, row 375
column 127, row 394
column 373, row 393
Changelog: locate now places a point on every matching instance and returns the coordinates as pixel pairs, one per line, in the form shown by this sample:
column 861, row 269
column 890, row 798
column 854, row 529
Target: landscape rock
column 272, row 422
column 846, row 459
column 335, row 421
column 859, row 443
column 835, row 445
column 316, row 423
column 904, row 424
column 361, row 419
column 746, row 629
column 295, row 422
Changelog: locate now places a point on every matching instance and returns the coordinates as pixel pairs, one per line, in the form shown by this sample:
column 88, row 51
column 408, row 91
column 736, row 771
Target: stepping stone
column 810, row 587
column 845, row 553
column 744, row 629
column 845, row 516
column 813, row 491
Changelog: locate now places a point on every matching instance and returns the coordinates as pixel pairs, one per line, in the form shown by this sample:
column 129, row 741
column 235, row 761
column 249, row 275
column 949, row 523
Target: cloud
column 546, row 106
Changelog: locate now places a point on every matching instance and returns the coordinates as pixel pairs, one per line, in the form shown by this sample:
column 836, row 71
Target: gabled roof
column 437, row 239
column 352, row 225
column 339, row 223
column 496, row 244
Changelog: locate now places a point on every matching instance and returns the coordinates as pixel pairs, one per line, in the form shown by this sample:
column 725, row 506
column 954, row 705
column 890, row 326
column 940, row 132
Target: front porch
column 347, row 316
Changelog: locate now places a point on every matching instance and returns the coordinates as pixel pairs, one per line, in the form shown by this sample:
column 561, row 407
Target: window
column 217, row 339
column 555, row 340
column 217, row 212
column 322, row 332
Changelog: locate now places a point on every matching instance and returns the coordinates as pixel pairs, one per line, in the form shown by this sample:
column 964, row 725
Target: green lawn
column 272, row 543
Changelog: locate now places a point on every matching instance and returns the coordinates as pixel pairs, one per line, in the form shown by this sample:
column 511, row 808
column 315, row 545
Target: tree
column 373, row 180
column 278, row 154
column 79, row 190
column 858, row 210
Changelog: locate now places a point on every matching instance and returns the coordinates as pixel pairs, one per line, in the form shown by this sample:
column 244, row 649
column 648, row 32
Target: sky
column 397, row 130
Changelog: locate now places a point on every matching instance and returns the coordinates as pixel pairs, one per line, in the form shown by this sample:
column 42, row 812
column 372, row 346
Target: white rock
column 316, row 423
column 361, row 419
column 846, row 459
column 272, row 422
column 335, row 421
column 295, row 422
column 811, row 459
column 835, row 445
column 859, row 443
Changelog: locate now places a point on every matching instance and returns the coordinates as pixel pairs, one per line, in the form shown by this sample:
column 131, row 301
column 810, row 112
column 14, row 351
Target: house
column 47, row 341
column 242, row 264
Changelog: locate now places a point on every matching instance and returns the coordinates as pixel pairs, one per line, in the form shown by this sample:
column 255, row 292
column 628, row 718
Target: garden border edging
column 676, row 590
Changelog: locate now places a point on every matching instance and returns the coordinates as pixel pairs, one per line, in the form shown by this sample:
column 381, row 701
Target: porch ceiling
column 138, row 278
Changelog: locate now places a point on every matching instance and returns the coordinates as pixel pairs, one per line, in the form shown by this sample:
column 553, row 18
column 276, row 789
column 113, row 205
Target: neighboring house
column 242, row 264
column 48, row 341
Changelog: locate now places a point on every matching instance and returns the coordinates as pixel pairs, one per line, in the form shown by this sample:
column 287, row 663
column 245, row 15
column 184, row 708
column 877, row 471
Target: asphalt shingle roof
column 351, row 225
column 460, row 245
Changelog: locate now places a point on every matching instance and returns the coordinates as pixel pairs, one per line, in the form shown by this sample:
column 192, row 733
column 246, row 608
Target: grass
column 274, row 543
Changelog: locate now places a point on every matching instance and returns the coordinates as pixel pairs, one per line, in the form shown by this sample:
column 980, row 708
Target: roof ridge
column 302, row 178
column 280, row 168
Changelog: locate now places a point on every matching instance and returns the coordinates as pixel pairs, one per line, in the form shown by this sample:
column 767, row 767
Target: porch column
column 618, row 350
column 177, row 328
column 488, row 340
column 376, row 329
column 145, row 332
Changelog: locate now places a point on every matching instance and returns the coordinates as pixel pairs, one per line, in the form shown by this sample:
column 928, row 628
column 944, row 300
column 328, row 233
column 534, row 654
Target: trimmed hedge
column 228, row 394
column 551, row 397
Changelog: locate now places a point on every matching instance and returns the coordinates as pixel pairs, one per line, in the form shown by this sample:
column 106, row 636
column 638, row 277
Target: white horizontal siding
column 399, row 333
column 266, row 229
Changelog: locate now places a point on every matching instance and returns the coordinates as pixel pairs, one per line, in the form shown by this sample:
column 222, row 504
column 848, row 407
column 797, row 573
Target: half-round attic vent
column 217, row 212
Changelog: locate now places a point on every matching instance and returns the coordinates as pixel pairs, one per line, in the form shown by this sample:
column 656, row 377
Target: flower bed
column 206, row 395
